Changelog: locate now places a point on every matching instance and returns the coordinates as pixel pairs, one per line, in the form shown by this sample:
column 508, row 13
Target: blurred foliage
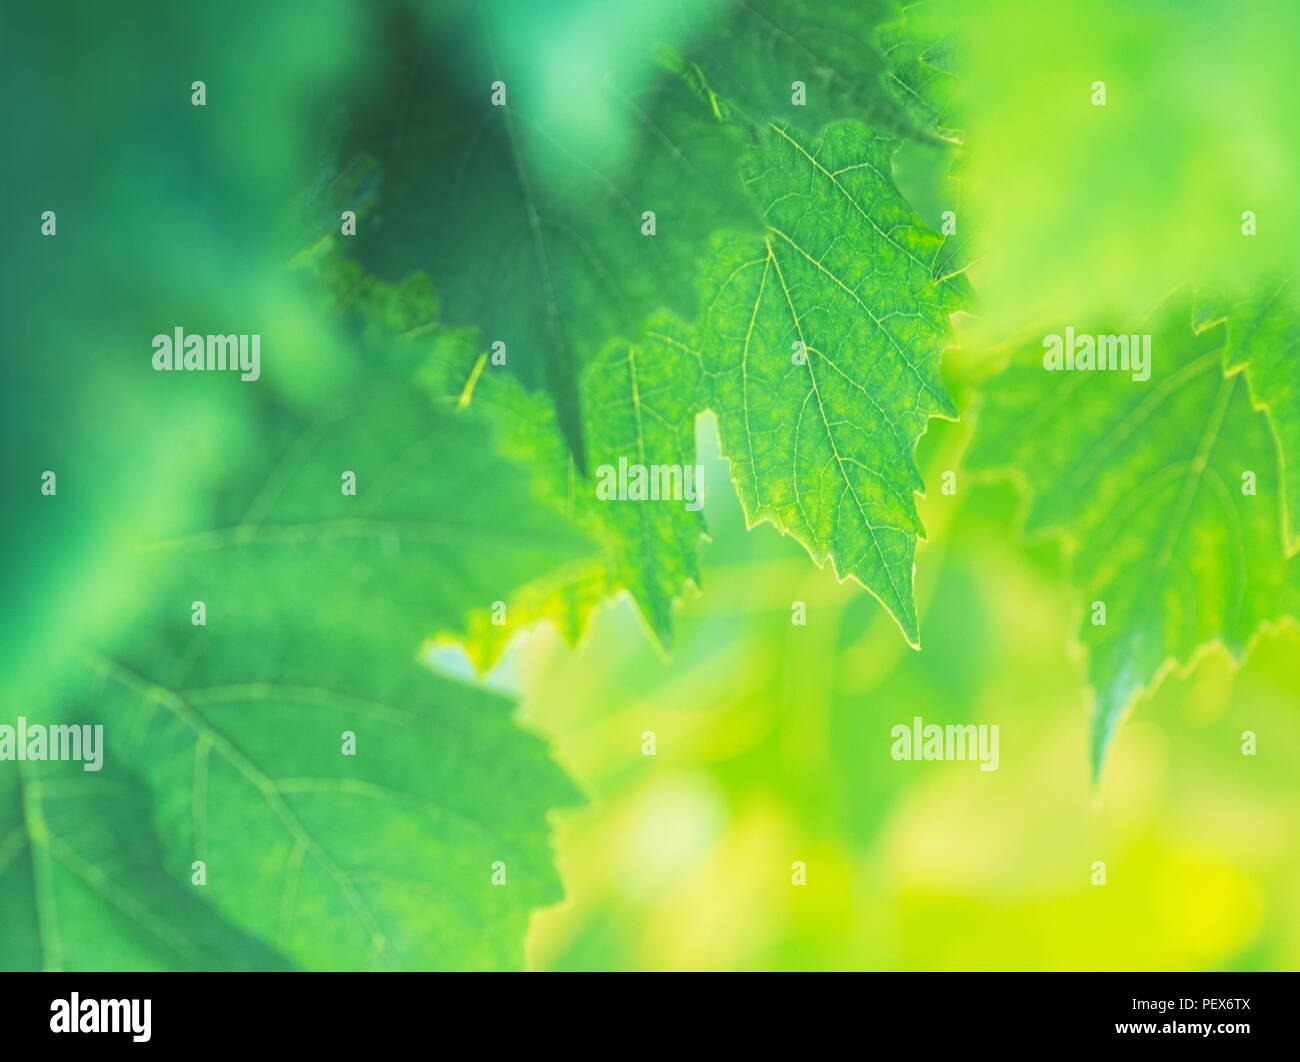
column 1165, row 492
column 772, row 739
column 224, row 739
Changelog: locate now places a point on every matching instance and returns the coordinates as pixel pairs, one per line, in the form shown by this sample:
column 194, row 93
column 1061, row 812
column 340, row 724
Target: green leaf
column 1264, row 340
column 316, row 604
column 1145, row 483
column 821, row 342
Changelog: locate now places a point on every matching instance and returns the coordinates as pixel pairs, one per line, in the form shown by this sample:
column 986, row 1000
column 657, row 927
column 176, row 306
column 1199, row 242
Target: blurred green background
column 773, row 745
column 772, row 739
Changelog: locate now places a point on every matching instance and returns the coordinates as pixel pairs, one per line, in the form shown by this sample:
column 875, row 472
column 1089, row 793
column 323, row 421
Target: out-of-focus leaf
column 1147, row 482
column 84, row 884
column 315, row 603
column 1264, row 339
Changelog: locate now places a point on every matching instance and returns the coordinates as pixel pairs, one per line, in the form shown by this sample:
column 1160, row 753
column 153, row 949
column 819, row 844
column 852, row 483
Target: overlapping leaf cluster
column 787, row 286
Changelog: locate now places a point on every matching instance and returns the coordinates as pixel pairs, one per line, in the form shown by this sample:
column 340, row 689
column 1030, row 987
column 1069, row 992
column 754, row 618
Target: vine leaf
column 1166, row 493
column 821, row 342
